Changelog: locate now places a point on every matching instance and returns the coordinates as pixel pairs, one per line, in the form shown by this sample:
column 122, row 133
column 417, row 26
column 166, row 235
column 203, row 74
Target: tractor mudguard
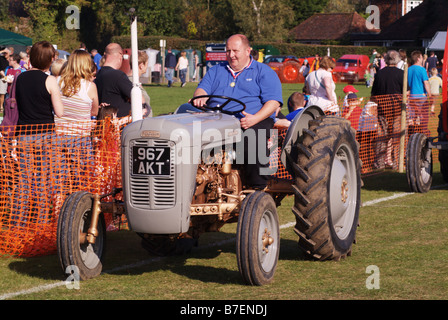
column 295, row 130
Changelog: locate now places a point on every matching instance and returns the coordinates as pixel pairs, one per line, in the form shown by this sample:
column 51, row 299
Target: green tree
column 303, row 9
column 156, row 17
column 262, row 19
column 213, row 19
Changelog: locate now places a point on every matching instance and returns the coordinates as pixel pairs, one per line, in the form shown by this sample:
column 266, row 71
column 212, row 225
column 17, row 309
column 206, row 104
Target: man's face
column 237, row 54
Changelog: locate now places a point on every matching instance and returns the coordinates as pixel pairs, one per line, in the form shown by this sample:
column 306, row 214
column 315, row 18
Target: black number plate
column 151, row 161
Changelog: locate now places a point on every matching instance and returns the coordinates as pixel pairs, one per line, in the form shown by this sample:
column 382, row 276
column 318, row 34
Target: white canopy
column 438, row 41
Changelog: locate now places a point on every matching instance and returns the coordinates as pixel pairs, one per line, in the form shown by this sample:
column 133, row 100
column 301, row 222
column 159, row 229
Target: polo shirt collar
column 236, row 74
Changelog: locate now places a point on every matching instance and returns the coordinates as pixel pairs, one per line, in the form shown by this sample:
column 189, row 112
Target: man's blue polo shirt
column 416, row 76
column 254, row 86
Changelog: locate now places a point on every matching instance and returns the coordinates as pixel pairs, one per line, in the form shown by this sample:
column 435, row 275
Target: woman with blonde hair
column 78, row 91
column 80, row 99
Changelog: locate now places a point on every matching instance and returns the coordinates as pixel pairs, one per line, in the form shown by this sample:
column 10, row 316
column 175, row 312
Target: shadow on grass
column 125, row 256
column 393, row 181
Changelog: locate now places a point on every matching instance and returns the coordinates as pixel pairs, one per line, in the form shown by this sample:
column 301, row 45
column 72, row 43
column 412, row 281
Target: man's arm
column 427, row 88
column 202, row 101
column 266, row 111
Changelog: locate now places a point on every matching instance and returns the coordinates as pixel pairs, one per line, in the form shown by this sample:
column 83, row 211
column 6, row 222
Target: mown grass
column 405, row 238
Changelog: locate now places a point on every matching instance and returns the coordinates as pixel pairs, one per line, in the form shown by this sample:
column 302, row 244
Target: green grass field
column 403, row 235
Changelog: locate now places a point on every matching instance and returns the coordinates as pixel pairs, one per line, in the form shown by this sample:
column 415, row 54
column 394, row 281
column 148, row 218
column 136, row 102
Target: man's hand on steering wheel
column 202, row 103
column 198, row 102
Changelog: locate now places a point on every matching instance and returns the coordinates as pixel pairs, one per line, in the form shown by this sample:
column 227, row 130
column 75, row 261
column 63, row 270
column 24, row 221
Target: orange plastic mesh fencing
column 40, row 166
column 377, row 122
column 378, row 126
column 275, row 163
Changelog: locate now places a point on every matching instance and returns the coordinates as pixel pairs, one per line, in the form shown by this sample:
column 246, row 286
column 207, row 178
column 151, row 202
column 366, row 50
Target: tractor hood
column 208, row 129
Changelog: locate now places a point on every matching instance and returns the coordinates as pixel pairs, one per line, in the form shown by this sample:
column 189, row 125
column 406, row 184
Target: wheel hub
column 267, row 240
column 344, row 190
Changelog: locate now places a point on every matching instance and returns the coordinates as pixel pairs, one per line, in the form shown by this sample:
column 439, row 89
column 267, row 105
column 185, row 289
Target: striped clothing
column 77, row 112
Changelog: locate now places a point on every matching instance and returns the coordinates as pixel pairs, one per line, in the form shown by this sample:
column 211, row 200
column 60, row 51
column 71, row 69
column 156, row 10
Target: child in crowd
column 435, row 83
column 352, row 111
column 368, row 77
column 296, row 103
column 366, row 135
column 57, row 67
column 349, row 89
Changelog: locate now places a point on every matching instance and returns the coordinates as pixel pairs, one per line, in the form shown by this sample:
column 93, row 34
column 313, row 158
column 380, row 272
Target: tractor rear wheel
column 327, row 188
column 418, row 163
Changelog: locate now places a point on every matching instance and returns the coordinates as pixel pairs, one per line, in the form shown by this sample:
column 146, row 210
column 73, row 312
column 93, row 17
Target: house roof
column 421, row 22
column 329, row 26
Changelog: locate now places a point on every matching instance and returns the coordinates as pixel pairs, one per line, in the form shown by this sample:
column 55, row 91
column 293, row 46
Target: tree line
column 100, row 20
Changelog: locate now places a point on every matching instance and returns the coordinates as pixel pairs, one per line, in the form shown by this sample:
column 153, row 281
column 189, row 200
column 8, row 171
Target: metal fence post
column 403, row 119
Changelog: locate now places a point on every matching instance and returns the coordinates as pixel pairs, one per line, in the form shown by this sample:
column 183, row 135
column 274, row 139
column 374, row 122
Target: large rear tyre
column 72, row 246
column 418, row 163
column 258, row 239
column 327, row 188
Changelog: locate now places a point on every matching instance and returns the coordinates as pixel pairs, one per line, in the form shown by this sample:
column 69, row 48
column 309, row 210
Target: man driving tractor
column 253, row 83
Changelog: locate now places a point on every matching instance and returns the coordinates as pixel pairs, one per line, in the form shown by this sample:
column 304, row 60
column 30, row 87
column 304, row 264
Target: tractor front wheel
column 418, row 163
column 72, row 246
column 258, row 239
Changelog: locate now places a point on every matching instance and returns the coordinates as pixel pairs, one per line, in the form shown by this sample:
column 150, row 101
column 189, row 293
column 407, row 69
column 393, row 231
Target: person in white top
column 182, row 67
column 321, row 87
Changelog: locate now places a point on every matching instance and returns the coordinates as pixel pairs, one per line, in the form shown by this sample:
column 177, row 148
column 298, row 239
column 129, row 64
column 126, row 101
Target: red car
column 351, row 68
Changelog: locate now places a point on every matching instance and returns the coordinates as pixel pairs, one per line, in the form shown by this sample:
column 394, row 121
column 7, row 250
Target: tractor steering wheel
column 220, row 107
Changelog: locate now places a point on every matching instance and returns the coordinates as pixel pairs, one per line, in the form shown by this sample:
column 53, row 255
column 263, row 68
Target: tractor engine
column 218, row 192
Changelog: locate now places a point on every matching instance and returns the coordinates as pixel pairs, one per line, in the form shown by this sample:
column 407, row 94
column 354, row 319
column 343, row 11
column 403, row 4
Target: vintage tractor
column 181, row 178
column 419, row 166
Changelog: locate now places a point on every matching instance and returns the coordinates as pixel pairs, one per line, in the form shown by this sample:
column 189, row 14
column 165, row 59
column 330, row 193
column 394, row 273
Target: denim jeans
column 183, row 75
column 32, row 194
column 169, row 75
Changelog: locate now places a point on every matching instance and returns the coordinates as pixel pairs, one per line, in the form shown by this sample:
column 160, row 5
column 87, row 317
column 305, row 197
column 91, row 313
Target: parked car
column 286, row 67
column 351, row 68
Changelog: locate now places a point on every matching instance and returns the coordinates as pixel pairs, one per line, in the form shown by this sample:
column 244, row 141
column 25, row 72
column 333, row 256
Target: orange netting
column 378, row 129
column 40, row 166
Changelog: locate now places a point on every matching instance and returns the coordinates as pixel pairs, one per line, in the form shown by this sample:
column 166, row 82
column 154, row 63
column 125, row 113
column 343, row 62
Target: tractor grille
column 153, row 193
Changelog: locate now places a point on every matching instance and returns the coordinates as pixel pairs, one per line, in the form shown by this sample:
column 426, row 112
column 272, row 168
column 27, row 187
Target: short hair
column 16, row 57
column 296, row 99
column 112, row 48
column 243, row 39
column 327, row 62
column 57, row 66
column 415, row 56
column 42, row 54
column 392, row 57
column 107, row 111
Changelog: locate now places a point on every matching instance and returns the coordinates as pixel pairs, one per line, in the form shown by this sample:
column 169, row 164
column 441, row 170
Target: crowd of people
column 385, row 77
column 56, row 101
column 181, row 65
